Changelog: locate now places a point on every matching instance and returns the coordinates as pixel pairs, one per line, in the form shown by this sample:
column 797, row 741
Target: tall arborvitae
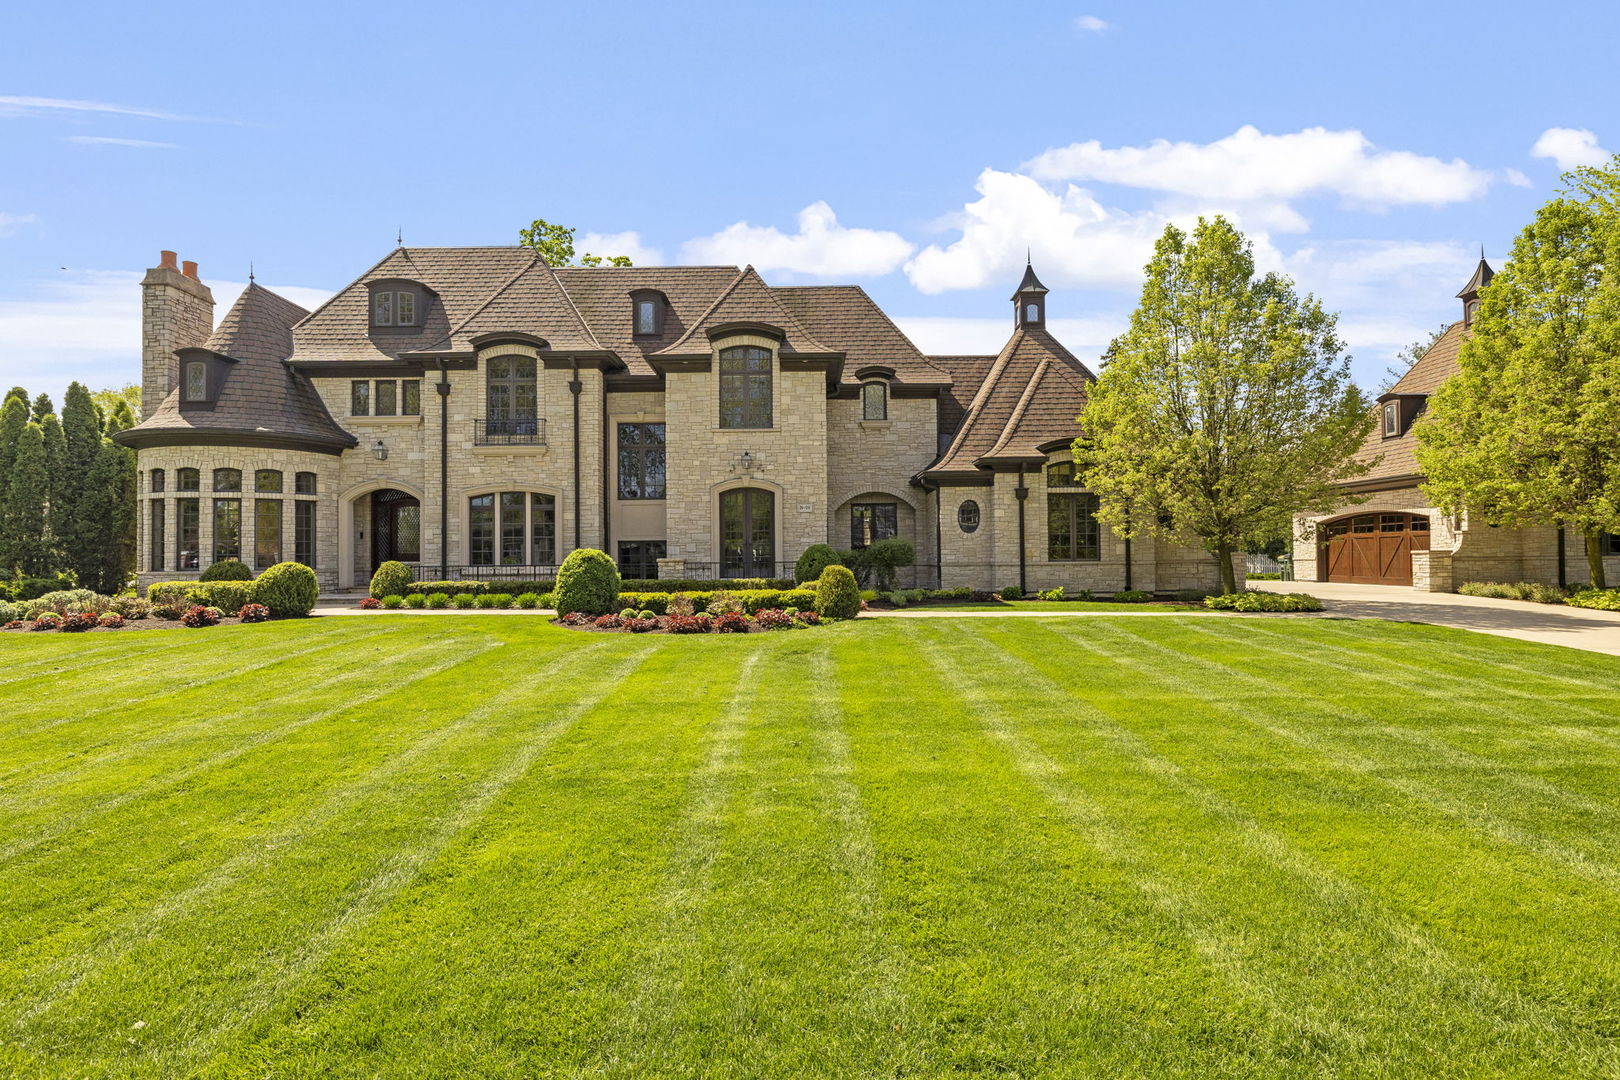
column 122, row 418
column 56, row 468
column 81, row 429
column 23, row 544
column 42, row 407
column 104, row 519
column 17, row 392
column 13, row 418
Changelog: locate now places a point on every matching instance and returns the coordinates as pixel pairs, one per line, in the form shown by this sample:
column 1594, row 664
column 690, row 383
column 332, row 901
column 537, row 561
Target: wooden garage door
column 1374, row 549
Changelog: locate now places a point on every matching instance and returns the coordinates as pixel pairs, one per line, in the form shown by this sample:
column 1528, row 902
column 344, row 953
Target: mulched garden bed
column 129, row 624
column 764, row 622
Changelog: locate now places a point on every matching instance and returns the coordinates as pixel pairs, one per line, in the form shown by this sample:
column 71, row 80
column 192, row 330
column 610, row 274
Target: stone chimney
column 177, row 312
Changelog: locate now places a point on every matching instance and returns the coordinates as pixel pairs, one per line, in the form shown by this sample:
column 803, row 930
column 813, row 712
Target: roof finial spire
column 1027, row 261
column 250, row 271
column 399, row 236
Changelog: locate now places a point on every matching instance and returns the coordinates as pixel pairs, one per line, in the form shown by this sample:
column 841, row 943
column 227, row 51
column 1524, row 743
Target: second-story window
column 393, row 307
column 641, row 461
column 874, row 401
column 1392, row 419
column 196, row 380
column 360, row 398
column 646, row 316
column 745, row 387
column 511, row 396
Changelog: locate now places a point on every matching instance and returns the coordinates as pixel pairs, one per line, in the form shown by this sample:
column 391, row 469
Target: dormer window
column 196, row 381
column 647, row 312
column 393, row 307
column 1392, row 419
column 874, row 400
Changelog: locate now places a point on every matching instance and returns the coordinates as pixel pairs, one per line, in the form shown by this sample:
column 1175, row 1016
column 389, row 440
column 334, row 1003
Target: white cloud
column 821, row 248
column 619, row 243
column 1087, row 338
column 108, row 140
column 1249, row 165
column 1569, row 148
column 1516, row 178
column 1090, row 24
column 35, row 106
column 9, row 222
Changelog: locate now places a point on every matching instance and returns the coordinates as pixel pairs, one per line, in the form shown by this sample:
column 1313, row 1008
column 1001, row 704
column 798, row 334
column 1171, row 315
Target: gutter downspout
column 939, row 544
column 1022, row 493
column 607, row 519
column 1563, row 564
column 574, row 387
column 1128, row 584
column 444, row 472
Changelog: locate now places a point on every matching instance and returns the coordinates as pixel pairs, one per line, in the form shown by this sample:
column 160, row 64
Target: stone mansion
column 479, row 414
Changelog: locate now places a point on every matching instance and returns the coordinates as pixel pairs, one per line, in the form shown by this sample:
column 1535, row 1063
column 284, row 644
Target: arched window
column 745, row 387
column 1032, row 313
column 1062, row 474
column 967, row 516
column 196, row 380
column 647, row 306
column 227, row 479
column 511, row 397
column 186, row 480
column 157, row 482
column 874, row 400
column 304, row 483
column 267, row 480
column 1392, row 419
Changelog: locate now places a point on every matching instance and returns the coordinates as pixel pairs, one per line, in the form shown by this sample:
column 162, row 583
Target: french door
column 747, row 533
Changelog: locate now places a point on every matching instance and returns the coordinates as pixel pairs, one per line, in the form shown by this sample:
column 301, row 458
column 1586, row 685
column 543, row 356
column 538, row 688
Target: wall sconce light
column 379, row 451
column 746, row 462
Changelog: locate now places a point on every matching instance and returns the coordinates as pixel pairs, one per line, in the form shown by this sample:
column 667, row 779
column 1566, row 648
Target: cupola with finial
column 1029, row 302
column 1476, row 284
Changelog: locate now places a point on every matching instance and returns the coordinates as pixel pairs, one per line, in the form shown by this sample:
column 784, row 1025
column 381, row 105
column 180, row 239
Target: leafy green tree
column 555, row 243
column 1226, row 407
column 104, row 518
column 43, row 407
column 1524, row 434
column 108, row 401
column 23, row 543
column 121, row 417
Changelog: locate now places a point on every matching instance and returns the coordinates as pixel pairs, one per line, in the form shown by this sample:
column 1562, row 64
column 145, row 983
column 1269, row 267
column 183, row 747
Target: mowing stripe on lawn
column 1413, row 969
column 56, row 652
column 64, row 822
column 406, row 864
column 119, row 703
column 124, row 745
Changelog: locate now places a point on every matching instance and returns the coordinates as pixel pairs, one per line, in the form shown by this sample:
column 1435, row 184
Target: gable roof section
column 602, row 297
column 460, row 279
column 845, row 318
column 967, row 375
column 746, row 300
column 534, row 302
column 1029, row 398
column 262, row 401
column 1396, row 458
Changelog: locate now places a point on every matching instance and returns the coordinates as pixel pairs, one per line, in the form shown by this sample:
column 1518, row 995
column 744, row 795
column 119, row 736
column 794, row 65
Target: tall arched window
column 511, row 397
column 745, row 387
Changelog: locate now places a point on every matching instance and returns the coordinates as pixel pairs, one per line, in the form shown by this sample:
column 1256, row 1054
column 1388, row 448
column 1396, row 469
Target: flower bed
column 703, row 622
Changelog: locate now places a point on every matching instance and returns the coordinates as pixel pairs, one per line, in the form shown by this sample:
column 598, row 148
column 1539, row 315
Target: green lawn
column 1070, row 606
column 486, row 847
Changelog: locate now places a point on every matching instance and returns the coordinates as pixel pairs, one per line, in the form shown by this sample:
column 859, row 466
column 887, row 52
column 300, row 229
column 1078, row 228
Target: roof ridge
column 1042, row 366
column 703, row 318
column 568, row 298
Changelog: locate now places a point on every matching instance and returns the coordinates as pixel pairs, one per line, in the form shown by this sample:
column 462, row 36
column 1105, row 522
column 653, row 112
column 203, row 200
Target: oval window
column 967, row 516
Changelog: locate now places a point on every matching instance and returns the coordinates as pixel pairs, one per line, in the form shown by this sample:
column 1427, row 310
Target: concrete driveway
column 1552, row 624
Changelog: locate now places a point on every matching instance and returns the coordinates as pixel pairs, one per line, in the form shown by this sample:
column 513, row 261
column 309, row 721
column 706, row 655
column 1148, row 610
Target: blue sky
column 917, row 149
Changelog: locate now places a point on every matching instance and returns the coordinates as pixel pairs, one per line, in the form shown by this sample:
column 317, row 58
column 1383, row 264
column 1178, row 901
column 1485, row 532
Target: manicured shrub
column 1263, row 601
column 1133, row 596
column 438, row 600
column 200, row 616
column 225, row 595
column 690, row 585
column 391, row 579
column 60, row 601
column 656, row 602
column 111, row 620
column 588, row 581
column 807, row 618
column 1012, row 592
column 130, row 607
column 886, row 557
column 448, row 588
column 79, row 621
column 415, row 601
column 167, row 611
column 816, row 558
column 837, row 596
column 288, row 589
column 370, row 603
column 526, row 601
column 464, row 600
column 724, row 603
column 394, row 602
column 686, row 624
column 46, row 620
column 495, row 600
column 253, row 613
column 227, row 570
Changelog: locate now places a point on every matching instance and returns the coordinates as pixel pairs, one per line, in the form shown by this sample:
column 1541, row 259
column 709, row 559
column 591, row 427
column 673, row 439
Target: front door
column 747, row 533
column 396, row 527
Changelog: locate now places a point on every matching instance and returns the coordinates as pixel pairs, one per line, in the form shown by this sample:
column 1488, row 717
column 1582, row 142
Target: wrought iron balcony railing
column 531, row 432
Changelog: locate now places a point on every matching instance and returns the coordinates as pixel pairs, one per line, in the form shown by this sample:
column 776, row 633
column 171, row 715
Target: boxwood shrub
column 587, row 582
column 228, row 595
column 391, row 579
column 1263, row 601
column 446, row 588
column 288, row 589
column 816, row 558
column 837, row 595
column 227, row 570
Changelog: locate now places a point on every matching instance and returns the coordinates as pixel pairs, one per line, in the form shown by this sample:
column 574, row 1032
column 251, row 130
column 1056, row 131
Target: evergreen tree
column 17, row 392
column 56, row 524
column 104, row 520
column 42, row 407
column 120, row 418
column 23, row 544
column 81, row 430
column 13, row 418
column 1226, row 407
column 1524, row 434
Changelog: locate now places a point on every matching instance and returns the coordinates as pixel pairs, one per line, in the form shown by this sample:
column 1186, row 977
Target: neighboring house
column 1388, row 532
column 479, row 414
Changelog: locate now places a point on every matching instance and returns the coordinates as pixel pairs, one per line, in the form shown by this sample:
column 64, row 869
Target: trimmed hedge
column 752, row 600
column 587, row 582
column 391, row 579
column 837, row 594
column 227, row 570
column 227, row 595
column 288, row 589
column 447, row 588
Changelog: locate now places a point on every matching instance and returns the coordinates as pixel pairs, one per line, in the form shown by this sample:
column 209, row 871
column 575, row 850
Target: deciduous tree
column 1524, row 435
column 555, row 243
column 1227, row 406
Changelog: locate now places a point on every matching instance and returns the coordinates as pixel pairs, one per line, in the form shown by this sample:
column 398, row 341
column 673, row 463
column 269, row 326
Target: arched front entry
column 1373, row 549
column 747, row 533
column 396, row 527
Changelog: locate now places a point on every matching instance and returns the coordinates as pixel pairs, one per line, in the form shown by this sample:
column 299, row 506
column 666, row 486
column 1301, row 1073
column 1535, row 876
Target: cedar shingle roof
column 1397, row 457
column 260, row 396
column 967, row 375
column 1029, row 398
column 845, row 318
